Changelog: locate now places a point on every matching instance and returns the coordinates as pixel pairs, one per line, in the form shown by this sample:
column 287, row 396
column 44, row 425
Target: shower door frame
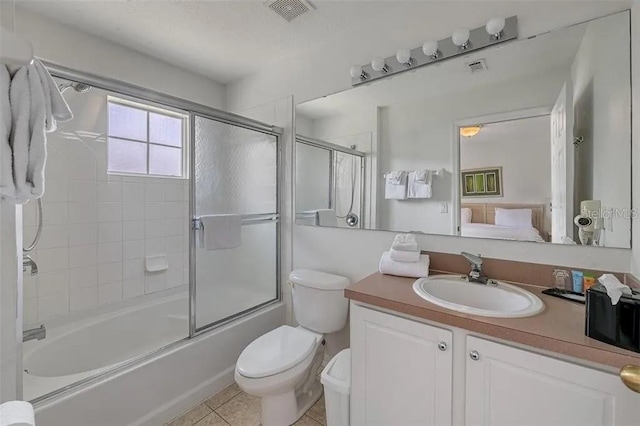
column 260, row 218
column 127, row 89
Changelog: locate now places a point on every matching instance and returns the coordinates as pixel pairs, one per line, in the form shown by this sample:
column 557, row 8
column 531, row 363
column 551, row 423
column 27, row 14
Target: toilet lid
column 275, row 352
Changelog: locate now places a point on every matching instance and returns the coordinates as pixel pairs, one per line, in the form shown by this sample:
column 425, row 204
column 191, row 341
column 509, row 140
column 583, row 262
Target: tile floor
column 233, row 407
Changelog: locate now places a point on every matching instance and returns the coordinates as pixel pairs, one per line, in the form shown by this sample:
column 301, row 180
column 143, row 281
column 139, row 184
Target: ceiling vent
column 289, row 9
column 477, row 66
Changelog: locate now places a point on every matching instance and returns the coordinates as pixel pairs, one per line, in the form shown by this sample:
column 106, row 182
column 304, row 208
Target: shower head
column 78, row 87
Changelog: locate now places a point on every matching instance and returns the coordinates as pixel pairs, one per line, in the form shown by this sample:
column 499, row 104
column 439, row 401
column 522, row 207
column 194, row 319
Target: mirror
column 529, row 140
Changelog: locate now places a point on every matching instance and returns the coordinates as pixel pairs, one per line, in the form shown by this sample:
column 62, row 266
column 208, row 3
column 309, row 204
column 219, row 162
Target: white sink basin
column 495, row 299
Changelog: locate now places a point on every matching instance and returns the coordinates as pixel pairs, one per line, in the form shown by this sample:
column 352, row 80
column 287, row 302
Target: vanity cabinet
column 506, row 386
column 402, row 374
column 401, row 371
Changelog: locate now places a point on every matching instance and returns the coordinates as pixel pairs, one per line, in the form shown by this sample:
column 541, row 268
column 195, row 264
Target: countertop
column 559, row 328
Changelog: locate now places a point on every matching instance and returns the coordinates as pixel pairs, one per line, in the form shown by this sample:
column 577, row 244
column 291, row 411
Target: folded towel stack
column 404, row 258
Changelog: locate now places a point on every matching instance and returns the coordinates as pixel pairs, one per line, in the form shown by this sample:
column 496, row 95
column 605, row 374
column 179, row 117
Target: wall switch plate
column 444, row 207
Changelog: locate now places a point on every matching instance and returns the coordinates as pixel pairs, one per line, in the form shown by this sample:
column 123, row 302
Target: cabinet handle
column 630, row 376
column 474, row 355
column 442, row 346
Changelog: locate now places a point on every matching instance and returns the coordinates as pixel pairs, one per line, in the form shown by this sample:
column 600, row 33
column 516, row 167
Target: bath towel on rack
column 419, row 184
column 396, row 185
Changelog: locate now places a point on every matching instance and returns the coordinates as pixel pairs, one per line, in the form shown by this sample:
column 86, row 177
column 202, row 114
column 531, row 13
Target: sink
column 495, row 299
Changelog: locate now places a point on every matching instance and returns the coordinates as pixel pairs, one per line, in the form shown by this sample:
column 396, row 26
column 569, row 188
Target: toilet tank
column 318, row 300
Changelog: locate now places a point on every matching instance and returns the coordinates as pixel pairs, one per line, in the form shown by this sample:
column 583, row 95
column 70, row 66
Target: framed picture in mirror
column 482, row 182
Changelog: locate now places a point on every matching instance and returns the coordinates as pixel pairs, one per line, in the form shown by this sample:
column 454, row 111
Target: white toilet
column 281, row 366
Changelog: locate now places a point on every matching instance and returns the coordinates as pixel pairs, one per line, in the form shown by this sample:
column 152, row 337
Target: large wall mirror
column 527, row 141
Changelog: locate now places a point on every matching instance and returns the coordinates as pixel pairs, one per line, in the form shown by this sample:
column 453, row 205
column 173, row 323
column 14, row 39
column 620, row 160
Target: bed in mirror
column 529, row 140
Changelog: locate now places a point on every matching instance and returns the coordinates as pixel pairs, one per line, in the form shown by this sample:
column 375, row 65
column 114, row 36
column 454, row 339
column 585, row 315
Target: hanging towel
column 418, row 269
column 419, row 184
column 56, row 106
column 327, row 217
column 7, row 187
column 220, row 231
column 396, row 185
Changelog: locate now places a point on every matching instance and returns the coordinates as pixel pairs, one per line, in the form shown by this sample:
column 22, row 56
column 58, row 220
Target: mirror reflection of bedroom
column 529, row 140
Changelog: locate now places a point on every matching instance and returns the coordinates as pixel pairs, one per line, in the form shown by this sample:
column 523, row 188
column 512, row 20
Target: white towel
column 56, row 106
column 405, row 242
column 7, row 187
column 220, row 231
column 396, row 185
column 17, row 413
column 419, row 184
column 615, row 289
column 404, row 256
column 327, row 217
column 404, row 269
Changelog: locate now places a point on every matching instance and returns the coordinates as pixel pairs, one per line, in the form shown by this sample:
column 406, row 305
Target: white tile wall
column 97, row 230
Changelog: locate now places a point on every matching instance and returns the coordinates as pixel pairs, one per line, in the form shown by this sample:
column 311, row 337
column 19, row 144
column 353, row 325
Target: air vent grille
column 477, row 66
column 289, row 9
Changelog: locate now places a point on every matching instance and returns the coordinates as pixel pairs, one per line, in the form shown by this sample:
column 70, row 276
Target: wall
column 359, row 251
column 635, row 144
column 601, row 95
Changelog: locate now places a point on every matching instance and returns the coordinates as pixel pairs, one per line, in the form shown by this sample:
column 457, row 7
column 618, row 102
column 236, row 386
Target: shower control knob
column 352, row 219
column 474, row 355
column 442, row 346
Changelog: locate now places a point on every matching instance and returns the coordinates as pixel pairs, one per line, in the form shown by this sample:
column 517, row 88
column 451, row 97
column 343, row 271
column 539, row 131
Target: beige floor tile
column 223, row 396
column 241, row 410
column 192, row 417
column 317, row 412
column 306, row 421
column 212, row 420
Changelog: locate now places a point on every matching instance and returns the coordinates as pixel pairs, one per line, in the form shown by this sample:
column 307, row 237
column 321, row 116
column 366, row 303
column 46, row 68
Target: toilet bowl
column 281, row 366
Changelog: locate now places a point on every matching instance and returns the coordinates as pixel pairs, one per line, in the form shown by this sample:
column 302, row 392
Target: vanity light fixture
column 404, row 57
column 494, row 27
column 358, row 72
column 462, row 42
column 378, row 64
column 430, row 49
column 460, row 38
column 470, row 131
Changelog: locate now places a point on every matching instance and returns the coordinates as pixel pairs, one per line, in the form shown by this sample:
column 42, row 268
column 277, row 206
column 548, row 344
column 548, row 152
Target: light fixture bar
column 479, row 38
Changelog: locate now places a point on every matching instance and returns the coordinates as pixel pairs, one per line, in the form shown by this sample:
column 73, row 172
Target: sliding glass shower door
column 234, row 172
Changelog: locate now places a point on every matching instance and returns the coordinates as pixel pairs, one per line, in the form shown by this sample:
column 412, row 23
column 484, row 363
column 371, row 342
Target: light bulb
column 460, row 38
column 494, row 27
column 430, row 48
column 357, row 72
column 379, row 65
column 404, row 57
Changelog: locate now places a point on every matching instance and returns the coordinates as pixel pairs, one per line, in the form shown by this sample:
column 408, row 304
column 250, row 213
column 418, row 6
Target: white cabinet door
column 506, row 386
column 400, row 376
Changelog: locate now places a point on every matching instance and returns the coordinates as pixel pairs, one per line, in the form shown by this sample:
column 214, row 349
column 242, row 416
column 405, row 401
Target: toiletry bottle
column 578, row 277
column 588, row 280
column 560, row 279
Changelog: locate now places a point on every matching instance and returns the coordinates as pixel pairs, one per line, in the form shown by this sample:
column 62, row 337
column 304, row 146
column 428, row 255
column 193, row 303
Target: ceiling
column 552, row 52
column 226, row 40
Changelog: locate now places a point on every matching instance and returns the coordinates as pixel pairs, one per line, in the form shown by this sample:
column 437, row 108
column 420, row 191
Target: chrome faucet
column 475, row 276
column 28, row 262
column 38, row 333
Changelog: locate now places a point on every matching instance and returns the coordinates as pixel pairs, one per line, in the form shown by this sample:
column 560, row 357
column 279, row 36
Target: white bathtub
column 149, row 392
column 84, row 349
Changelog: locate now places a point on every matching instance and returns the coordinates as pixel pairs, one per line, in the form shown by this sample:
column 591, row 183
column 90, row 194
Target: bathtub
column 149, row 392
column 84, row 349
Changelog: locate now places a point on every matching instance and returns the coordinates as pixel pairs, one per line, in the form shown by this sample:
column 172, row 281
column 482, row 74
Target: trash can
column 336, row 378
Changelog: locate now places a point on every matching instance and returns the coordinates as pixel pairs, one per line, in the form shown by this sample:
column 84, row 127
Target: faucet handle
column 475, row 260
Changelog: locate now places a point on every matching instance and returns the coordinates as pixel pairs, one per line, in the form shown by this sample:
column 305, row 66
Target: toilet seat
column 277, row 351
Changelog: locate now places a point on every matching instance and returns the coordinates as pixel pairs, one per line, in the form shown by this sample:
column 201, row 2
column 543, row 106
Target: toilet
column 281, row 366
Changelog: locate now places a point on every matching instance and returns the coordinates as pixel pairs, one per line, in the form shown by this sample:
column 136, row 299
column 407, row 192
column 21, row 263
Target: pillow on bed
column 465, row 215
column 514, row 218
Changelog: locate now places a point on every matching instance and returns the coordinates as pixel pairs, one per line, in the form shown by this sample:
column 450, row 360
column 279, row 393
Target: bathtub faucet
column 38, row 333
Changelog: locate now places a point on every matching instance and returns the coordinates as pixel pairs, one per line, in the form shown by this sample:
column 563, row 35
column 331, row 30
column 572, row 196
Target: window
column 145, row 140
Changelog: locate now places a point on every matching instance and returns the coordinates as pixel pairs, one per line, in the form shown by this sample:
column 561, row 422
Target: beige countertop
column 559, row 328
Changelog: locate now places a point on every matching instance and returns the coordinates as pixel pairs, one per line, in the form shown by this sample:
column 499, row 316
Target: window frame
column 150, row 107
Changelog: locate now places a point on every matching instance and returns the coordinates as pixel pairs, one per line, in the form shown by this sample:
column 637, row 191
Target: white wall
column 635, row 144
column 84, row 52
column 601, row 98
column 355, row 253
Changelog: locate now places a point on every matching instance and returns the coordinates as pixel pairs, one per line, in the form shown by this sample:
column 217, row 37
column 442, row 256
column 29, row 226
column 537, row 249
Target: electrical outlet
column 444, row 207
